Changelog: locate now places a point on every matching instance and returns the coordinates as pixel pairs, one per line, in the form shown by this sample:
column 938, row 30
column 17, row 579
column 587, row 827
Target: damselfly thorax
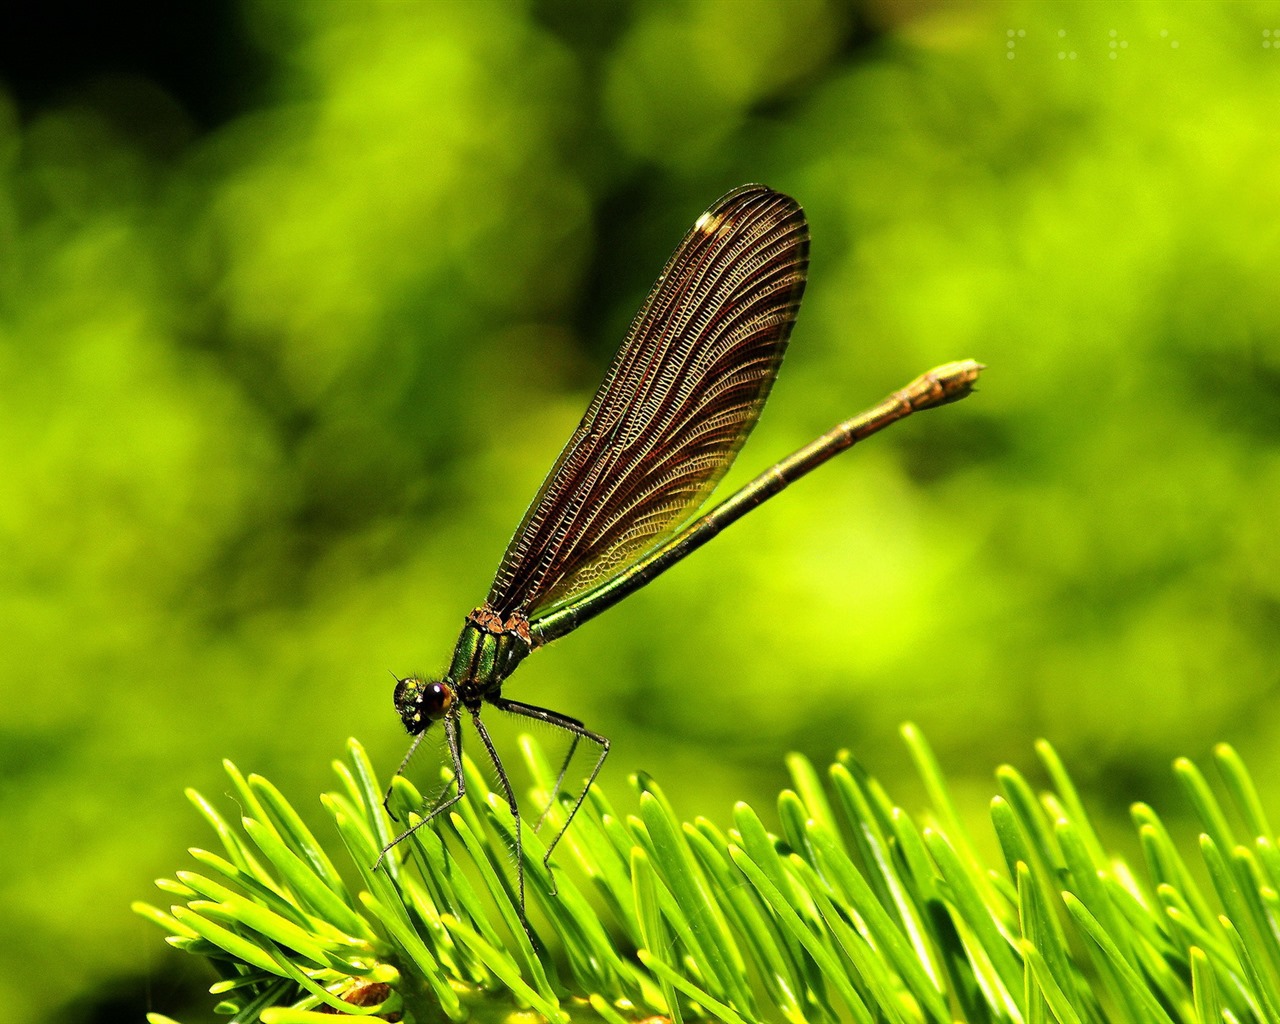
column 487, row 651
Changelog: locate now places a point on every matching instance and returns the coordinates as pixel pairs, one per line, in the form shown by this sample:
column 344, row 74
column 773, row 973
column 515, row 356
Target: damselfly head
column 421, row 702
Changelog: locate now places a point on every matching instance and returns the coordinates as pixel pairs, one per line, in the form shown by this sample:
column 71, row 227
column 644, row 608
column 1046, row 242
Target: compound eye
column 435, row 699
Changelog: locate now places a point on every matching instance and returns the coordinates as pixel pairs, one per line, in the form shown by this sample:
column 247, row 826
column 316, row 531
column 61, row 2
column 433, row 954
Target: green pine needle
column 855, row 912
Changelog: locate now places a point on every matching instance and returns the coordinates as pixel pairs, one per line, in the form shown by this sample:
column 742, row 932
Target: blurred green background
column 299, row 301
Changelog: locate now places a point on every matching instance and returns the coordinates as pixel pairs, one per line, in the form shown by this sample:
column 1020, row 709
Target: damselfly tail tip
column 962, row 370
column 957, row 379
column 947, row 383
column 965, row 374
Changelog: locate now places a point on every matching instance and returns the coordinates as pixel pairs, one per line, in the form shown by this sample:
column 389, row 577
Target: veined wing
column 683, row 393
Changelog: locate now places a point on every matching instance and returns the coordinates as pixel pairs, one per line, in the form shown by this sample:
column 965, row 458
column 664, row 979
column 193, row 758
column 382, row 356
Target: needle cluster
column 852, row 909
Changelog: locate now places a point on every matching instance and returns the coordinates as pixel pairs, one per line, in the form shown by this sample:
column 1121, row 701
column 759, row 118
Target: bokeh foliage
column 276, row 388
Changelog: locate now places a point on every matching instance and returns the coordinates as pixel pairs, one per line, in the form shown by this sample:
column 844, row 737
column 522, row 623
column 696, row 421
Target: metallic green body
column 482, row 659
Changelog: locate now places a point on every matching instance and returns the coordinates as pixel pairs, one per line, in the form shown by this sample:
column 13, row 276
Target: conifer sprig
column 853, row 910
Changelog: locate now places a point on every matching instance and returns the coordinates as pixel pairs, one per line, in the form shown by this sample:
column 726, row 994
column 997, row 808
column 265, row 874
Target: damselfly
column 616, row 509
